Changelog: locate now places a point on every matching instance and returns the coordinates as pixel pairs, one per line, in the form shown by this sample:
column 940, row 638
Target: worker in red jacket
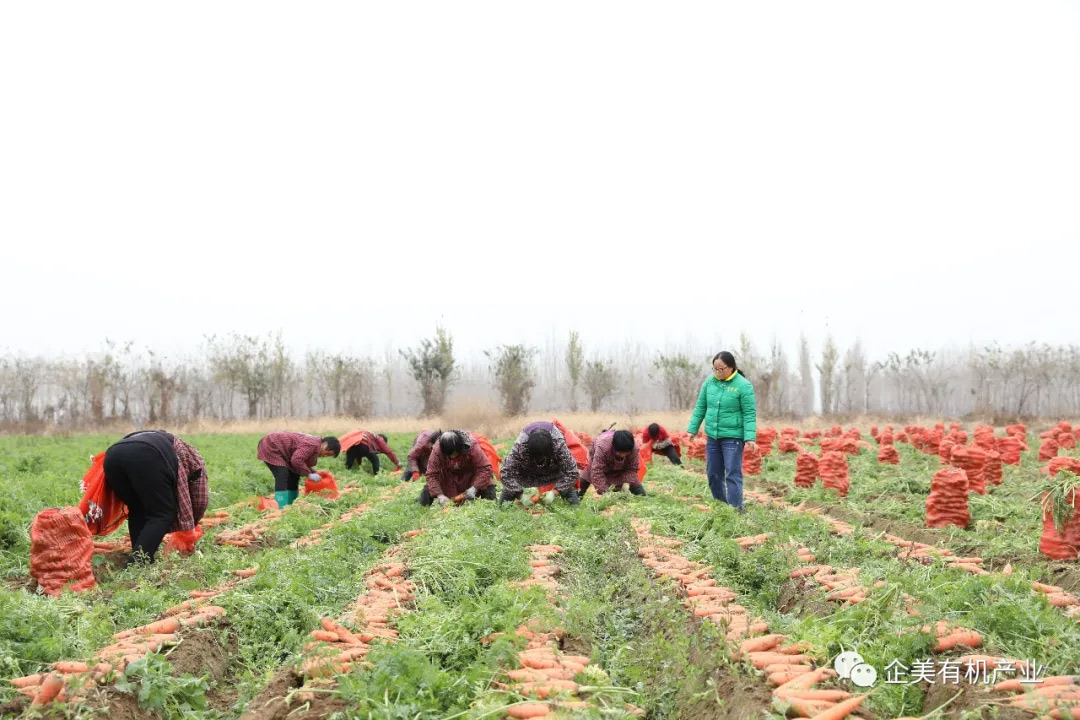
column 290, row 455
column 457, row 468
column 416, row 462
column 613, row 463
column 360, row 444
column 656, row 437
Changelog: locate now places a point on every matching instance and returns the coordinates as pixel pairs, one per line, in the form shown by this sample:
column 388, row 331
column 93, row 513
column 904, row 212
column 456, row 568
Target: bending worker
column 539, row 457
column 290, row 455
column 656, row 436
column 457, row 469
column 613, row 462
column 162, row 480
column 360, row 444
column 416, row 462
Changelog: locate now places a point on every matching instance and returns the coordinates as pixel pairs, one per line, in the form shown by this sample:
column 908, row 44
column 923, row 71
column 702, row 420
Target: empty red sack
column 325, row 485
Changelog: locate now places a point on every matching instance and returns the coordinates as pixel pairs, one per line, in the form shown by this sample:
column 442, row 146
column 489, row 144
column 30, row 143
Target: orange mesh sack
column 887, row 455
column 806, row 470
column 751, row 460
column 1066, row 440
column 325, row 484
column 1061, row 540
column 641, row 469
column 766, row 436
column 577, row 448
column 101, row 509
column 833, row 468
column 1048, row 449
column 947, row 503
column 263, row 503
column 984, row 437
column 1009, row 448
column 61, row 551
column 183, row 541
column 971, row 460
column 992, row 472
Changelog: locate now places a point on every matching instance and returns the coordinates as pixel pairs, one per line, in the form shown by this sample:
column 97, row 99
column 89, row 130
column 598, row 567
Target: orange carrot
column 249, row 572
column 28, row 681
column 969, row 638
column 325, row 636
column 767, row 642
column 50, row 688
column 780, row 677
column 841, row 710
column 68, row 668
column 807, row 708
column 830, row 695
column 579, row 659
column 805, row 680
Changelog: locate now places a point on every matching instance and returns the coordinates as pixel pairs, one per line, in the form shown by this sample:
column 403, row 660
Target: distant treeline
column 249, row 377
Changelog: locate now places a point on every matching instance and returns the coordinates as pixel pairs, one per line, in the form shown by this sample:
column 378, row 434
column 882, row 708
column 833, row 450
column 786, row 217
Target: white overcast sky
column 349, row 173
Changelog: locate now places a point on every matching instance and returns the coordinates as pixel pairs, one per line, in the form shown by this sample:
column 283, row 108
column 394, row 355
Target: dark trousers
column 356, row 453
column 144, row 482
column 487, row 493
column 284, row 478
column 671, row 454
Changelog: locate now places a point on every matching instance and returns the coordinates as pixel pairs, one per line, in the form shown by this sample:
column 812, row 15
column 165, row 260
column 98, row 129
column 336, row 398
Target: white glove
column 549, row 497
column 470, row 494
column 443, row 499
column 526, row 499
column 314, row 477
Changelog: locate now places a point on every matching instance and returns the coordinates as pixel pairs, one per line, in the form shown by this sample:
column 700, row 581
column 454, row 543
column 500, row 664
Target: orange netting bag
column 984, row 437
column 1061, row 541
column 1018, row 431
column 1066, row 440
column 993, row 470
column 325, row 484
column 183, row 541
column 1048, row 449
column 834, row 432
column 766, row 436
column 263, row 503
column 874, row 431
column 61, row 551
column 945, row 450
column 887, row 454
column 696, row 448
column 971, row 460
column 101, row 509
column 1009, row 448
column 833, row 468
column 641, row 469
column 788, row 441
column 806, row 470
column 751, row 460
column 811, row 434
column 947, row 503
column 902, row 437
column 491, row 453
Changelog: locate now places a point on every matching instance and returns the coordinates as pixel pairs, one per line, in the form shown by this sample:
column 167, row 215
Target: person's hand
column 407, row 476
column 314, row 477
column 751, row 445
column 549, row 497
column 470, row 494
column 526, row 499
column 443, row 499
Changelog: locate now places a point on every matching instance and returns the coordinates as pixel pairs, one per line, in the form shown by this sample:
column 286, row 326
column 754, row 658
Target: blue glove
column 314, row 477
column 470, row 494
column 443, row 499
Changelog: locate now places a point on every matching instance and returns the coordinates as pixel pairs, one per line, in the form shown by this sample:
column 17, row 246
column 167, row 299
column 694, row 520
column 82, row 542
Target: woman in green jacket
column 726, row 405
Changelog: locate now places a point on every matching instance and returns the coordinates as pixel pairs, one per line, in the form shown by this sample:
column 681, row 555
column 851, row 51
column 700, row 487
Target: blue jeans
column 723, row 466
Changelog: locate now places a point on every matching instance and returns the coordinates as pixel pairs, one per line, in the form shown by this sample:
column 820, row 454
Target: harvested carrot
column 580, row 659
column 528, row 710
column 50, row 688
column 70, row 667
column 526, row 675
column 28, row 681
column 1046, row 588
column 767, row 642
column 807, row 708
column 1061, row 599
column 829, row 695
column 805, row 680
column 325, row 636
column 249, row 572
column 968, row 638
column 840, row 710
column 780, row 677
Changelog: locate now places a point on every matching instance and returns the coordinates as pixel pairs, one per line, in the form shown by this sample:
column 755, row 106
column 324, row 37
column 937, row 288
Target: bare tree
column 827, row 373
column 806, row 378
column 680, row 378
column 575, row 365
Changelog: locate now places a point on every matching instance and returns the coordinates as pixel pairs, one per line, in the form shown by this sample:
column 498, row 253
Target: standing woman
column 726, row 404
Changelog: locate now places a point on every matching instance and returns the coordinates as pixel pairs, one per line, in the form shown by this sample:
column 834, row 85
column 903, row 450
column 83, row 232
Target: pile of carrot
column 544, row 672
column 791, row 668
column 751, row 541
column 334, row 647
column 315, row 536
column 543, row 570
column 1056, row 697
column 247, row 535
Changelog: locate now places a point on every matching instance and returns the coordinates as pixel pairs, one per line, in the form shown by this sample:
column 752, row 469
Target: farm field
column 665, row 606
